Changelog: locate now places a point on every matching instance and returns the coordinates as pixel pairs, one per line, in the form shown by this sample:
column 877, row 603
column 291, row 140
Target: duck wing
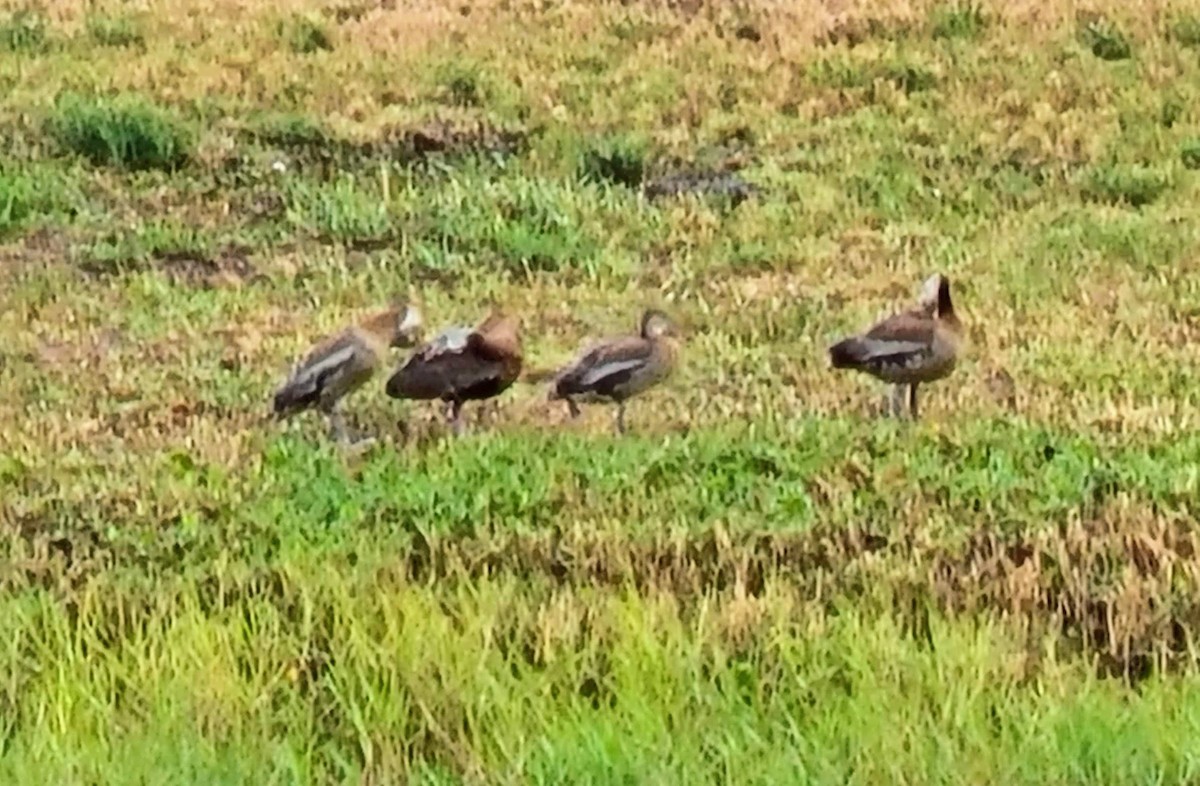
column 327, row 371
column 897, row 340
column 605, row 367
column 459, row 363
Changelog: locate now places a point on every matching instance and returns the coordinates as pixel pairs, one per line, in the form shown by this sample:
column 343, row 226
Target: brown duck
column 916, row 346
column 617, row 369
column 342, row 363
column 462, row 364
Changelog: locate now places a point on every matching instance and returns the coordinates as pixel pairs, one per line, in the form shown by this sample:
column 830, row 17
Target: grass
column 23, row 30
column 124, row 133
column 305, row 35
column 731, row 593
column 118, row 30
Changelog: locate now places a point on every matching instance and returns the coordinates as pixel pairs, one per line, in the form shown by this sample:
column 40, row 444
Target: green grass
column 305, row 35
column 23, row 30
column 125, row 133
column 323, row 680
column 764, row 582
column 120, row 30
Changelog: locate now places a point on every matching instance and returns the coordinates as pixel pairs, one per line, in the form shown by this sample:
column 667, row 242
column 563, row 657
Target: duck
column 917, row 346
column 615, row 370
column 342, row 363
column 462, row 364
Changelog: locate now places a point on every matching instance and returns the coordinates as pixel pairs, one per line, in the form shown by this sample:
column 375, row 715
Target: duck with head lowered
column 342, row 363
column 462, row 364
column 617, row 369
column 918, row 346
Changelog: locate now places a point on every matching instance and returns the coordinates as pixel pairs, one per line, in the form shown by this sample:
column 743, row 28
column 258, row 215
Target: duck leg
column 895, row 402
column 912, row 400
column 573, row 408
column 456, row 421
column 341, row 435
column 337, row 424
column 620, row 422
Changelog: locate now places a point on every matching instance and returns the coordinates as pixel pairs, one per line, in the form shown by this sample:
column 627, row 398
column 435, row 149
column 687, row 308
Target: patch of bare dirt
column 703, row 183
column 401, row 144
column 229, row 267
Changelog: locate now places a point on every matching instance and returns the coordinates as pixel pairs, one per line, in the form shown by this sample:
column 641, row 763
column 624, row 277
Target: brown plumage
column 915, row 346
column 462, row 364
column 617, row 369
column 342, row 363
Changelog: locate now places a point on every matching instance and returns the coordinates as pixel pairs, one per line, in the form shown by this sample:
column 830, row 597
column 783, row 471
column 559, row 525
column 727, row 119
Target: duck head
column 935, row 296
column 408, row 325
column 501, row 331
column 656, row 324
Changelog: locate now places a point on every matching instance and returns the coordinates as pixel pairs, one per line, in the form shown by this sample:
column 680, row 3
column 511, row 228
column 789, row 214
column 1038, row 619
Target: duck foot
column 359, row 445
column 337, row 428
column 457, row 426
column 344, row 438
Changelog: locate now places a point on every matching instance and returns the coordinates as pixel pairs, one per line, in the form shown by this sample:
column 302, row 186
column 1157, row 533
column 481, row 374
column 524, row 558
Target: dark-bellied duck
column 917, row 346
column 462, row 364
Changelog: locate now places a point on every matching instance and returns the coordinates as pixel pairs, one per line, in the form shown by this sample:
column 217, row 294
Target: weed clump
column 305, row 36
column 1190, row 154
column 845, row 74
column 290, row 131
column 538, row 232
column 123, row 132
column 1106, row 41
column 519, row 225
column 619, row 160
column 26, row 194
column 1186, row 30
column 122, row 252
column 910, row 78
column 342, row 211
column 1129, row 185
column 23, row 31
column 959, row 20
column 461, row 84
column 116, row 31
column 1171, row 111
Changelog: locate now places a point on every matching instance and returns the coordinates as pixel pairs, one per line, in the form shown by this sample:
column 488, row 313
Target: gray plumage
column 327, row 374
column 907, row 349
column 344, row 362
column 618, row 369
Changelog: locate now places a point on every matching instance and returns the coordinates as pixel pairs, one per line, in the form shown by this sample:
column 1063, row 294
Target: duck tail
column 847, row 353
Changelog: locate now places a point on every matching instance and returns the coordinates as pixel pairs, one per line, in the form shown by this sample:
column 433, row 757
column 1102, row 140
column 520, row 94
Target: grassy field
column 764, row 582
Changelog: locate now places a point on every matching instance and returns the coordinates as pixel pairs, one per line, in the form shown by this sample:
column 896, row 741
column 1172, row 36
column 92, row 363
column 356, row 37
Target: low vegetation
column 763, row 582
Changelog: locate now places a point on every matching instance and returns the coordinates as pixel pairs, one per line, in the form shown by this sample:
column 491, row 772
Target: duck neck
column 945, row 309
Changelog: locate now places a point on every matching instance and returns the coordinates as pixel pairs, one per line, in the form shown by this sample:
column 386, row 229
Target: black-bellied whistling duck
column 462, row 364
column 617, row 369
column 916, row 346
column 342, row 363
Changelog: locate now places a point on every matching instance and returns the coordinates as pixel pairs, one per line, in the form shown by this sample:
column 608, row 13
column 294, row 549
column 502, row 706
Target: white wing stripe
column 327, row 364
column 615, row 367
